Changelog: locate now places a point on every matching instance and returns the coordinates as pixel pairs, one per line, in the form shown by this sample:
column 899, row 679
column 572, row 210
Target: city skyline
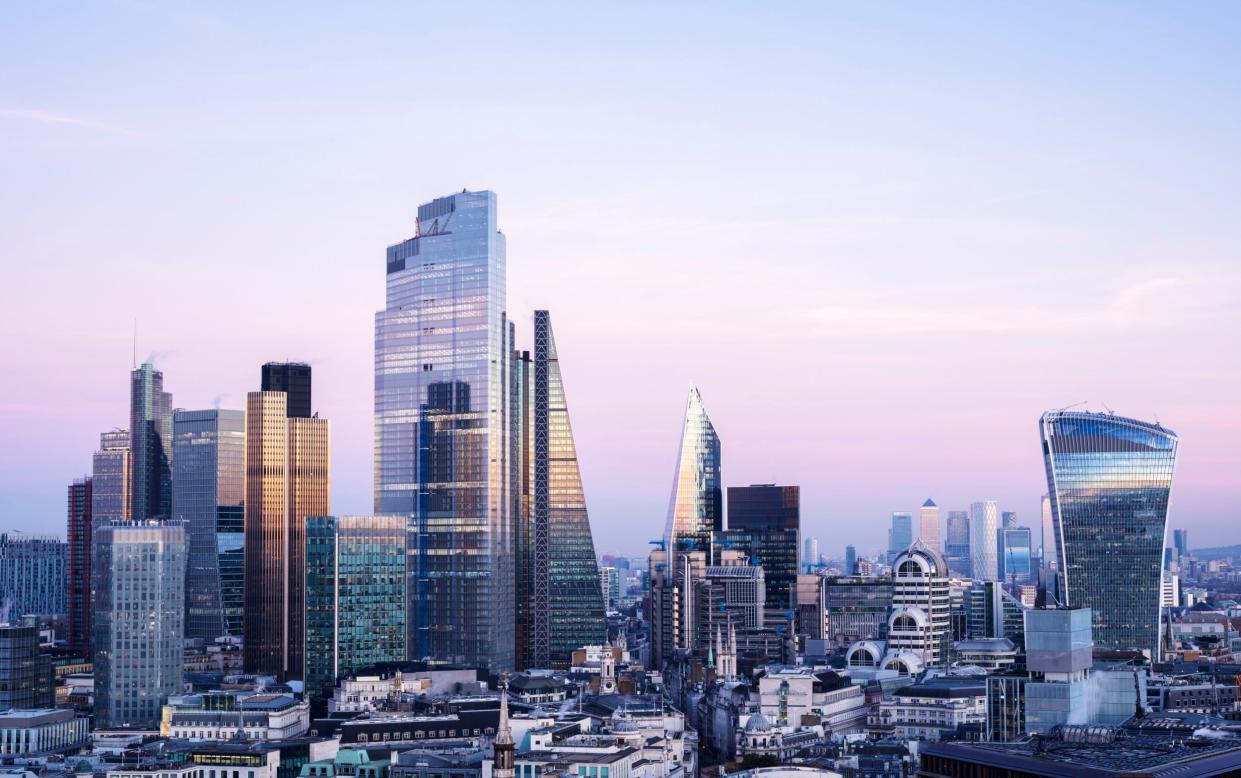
column 878, row 325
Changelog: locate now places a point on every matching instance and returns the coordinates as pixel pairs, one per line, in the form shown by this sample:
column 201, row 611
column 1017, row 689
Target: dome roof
column 757, row 723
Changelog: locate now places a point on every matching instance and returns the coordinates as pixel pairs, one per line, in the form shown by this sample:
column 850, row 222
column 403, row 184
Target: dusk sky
column 881, row 238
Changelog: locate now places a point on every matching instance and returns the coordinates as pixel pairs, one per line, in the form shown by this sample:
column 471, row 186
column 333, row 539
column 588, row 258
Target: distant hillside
column 1219, row 552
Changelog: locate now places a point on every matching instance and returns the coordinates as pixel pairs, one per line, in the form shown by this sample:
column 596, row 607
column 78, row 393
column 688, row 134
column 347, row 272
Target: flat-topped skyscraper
column 292, row 378
column 150, row 430
column 443, row 429
column 1109, row 478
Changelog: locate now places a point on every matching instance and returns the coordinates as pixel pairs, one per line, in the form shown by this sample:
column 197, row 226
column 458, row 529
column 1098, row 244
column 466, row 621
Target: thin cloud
column 50, row 119
column 1129, row 308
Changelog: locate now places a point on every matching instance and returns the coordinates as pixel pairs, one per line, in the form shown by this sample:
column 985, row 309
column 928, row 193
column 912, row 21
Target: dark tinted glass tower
column 764, row 521
column 566, row 604
column 150, row 430
column 1109, row 479
column 957, row 543
column 1016, row 555
column 292, row 378
column 443, row 430
column 208, row 490
column 77, row 569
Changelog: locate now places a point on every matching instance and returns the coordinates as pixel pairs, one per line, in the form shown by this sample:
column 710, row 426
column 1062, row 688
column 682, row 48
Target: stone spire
column 505, row 748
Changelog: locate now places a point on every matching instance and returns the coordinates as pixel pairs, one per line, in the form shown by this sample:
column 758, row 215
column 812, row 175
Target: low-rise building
column 43, row 731
column 929, row 708
column 224, row 715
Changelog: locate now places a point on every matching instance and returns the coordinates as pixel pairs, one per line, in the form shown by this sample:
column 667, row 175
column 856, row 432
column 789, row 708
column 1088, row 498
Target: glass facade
column 957, row 542
column 355, row 596
column 443, row 429
column 208, row 490
column 32, row 574
column 138, row 623
column 27, row 680
column 1016, row 557
column 150, row 430
column 287, row 479
column 292, row 378
column 697, row 504
column 985, row 541
column 111, row 477
column 764, row 522
column 1109, row 479
column 857, row 608
column 566, row 604
column 77, row 566
column 901, row 535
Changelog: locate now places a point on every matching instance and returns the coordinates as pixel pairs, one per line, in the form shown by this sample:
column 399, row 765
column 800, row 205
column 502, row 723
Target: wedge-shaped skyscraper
column 697, row 504
column 1109, row 478
column 558, row 572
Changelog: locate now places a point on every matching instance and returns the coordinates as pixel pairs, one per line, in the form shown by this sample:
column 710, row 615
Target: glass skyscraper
column 928, row 525
column 287, row 479
column 137, row 624
column 764, row 522
column 150, row 430
column 1109, row 478
column 78, row 534
column 355, row 596
column 697, row 504
column 443, row 432
column 1016, row 555
column 957, row 542
column 208, row 491
column 559, row 573
column 901, row 535
column 985, row 541
column 292, row 378
column 112, row 477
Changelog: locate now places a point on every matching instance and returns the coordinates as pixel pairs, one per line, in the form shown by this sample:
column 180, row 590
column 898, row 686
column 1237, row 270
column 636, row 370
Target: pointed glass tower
column 566, row 604
column 696, row 507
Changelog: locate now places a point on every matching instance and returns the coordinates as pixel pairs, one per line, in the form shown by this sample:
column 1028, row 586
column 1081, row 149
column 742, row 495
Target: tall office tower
column 928, row 525
column 857, row 608
column 901, row 535
column 138, row 621
column 444, row 444
column 1180, row 541
column 112, row 477
column 150, row 444
column 1016, row 555
column 697, row 505
column 32, row 574
column 355, row 596
column 919, row 623
column 729, row 598
column 565, row 609
column 292, row 378
column 287, row 479
column 957, row 543
column 850, row 560
column 27, row 680
column 1109, row 478
column 1008, row 519
column 984, row 541
column 663, row 609
column 208, row 494
column 992, row 612
column 1048, row 545
column 77, row 566
column 764, row 522
column 809, row 552
column 610, row 585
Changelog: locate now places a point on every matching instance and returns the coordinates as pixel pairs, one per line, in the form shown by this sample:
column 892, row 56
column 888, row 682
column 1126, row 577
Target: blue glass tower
column 208, row 494
column 697, row 504
column 443, row 442
column 1109, row 479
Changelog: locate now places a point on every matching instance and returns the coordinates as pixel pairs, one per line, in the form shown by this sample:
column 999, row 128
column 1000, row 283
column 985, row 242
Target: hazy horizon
column 881, row 241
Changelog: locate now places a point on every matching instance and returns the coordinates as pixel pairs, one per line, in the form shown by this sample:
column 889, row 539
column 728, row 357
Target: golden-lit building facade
column 287, row 479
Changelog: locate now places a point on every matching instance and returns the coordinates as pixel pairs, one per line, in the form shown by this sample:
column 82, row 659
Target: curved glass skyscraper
column 1109, row 478
column 696, row 507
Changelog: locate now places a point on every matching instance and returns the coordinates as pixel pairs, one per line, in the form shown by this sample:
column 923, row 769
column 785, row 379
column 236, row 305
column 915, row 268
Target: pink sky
column 879, row 266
